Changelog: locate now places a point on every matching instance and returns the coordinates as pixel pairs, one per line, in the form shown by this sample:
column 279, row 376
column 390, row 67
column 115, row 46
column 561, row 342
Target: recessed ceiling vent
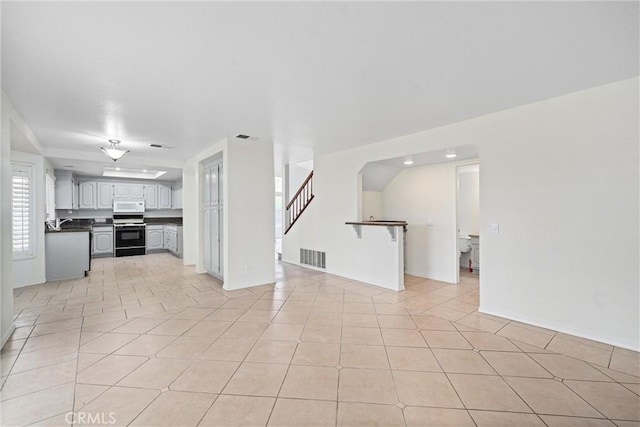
column 241, row 136
column 166, row 147
column 155, row 145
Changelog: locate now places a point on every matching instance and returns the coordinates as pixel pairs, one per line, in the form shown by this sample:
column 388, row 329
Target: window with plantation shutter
column 50, row 195
column 22, row 210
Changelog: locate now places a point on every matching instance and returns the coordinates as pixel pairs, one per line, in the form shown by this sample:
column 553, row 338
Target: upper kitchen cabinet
column 151, row 196
column 176, row 196
column 105, row 195
column 164, row 197
column 66, row 190
column 123, row 190
column 88, row 198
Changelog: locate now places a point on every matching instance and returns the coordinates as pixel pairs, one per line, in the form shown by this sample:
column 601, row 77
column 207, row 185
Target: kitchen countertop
column 379, row 223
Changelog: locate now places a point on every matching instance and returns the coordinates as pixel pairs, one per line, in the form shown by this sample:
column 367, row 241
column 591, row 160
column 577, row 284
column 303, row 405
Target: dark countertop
column 379, row 223
column 163, row 221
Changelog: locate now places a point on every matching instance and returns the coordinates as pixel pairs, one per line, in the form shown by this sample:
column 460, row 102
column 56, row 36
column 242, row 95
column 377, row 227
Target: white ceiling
column 313, row 77
column 377, row 175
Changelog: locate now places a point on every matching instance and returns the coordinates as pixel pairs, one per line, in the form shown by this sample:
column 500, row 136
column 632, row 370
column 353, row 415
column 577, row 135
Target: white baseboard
column 560, row 328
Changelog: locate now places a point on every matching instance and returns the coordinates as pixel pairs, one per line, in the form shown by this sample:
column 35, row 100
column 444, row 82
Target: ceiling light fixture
column 408, row 161
column 113, row 152
column 451, row 155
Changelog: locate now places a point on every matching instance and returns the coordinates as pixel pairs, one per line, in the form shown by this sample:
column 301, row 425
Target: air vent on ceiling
column 241, row 136
column 313, row 258
column 155, row 145
column 166, row 147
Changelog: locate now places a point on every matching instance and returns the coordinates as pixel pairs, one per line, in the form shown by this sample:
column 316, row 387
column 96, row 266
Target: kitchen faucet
column 59, row 223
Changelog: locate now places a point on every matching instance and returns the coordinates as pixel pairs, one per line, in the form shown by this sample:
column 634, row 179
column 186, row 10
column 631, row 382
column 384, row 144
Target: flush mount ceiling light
column 408, row 161
column 451, row 155
column 113, row 152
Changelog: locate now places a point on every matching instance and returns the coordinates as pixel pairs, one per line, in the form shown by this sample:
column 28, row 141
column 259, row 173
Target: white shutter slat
column 21, row 211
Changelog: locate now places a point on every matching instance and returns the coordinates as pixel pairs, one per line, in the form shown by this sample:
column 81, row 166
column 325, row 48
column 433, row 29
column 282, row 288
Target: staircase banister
column 300, row 190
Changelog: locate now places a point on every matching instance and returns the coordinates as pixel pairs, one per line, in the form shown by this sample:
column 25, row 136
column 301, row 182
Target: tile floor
column 146, row 341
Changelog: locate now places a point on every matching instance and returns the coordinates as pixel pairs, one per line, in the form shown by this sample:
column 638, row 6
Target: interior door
column 206, row 219
column 215, row 239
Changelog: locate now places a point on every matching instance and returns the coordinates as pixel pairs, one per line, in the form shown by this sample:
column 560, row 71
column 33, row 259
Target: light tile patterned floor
column 146, row 341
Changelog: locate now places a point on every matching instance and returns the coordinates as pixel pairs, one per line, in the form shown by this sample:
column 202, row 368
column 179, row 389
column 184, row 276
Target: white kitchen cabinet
column 136, row 191
column 87, row 195
column 212, row 207
column 176, row 196
column 151, row 196
column 102, row 243
column 65, row 189
column 173, row 239
column 164, row 197
column 155, row 237
column 76, row 195
column 105, row 195
column 122, row 190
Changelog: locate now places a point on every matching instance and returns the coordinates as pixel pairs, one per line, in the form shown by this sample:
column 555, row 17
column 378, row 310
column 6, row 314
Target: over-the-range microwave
column 128, row 206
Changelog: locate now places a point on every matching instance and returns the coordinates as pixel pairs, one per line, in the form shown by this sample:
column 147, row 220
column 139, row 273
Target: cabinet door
column 136, row 191
column 151, row 196
column 87, row 192
column 164, row 197
column 76, row 195
column 154, row 239
column 105, row 195
column 176, row 198
column 206, row 219
column 121, row 191
column 103, row 242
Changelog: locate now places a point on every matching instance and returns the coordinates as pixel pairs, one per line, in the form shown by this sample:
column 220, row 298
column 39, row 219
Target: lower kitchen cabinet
column 155, row 238
column 102, row 242
column 67, row 255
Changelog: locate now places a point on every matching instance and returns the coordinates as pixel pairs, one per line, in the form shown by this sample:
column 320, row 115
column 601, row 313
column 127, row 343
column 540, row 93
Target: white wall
column 298, row 172
column 468, row 211
column 560, row 176
column 372, row 205
column 425, row 197
column 249, row 214
column 249, row 204
column 31, row 271
column 9, row 117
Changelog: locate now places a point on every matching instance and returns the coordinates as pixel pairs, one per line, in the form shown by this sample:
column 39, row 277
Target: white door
column 206, row 222
column 154, row 239
column 164, row 197
column 214, row 186
column 220, row 185
column 102, row 243
column 215, row 239
column 206, row 194
column 136, row 191
column 105, row 195
column 151, row 197
column 87, row 192
column 121, row 191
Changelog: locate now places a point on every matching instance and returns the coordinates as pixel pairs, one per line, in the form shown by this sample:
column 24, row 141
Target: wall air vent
column 313, row 258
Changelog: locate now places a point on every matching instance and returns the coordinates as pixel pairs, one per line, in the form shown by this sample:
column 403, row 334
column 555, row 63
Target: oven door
column 130, row 241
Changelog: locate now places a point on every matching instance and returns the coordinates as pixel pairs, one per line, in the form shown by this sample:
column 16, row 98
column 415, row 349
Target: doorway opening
column 467, row 219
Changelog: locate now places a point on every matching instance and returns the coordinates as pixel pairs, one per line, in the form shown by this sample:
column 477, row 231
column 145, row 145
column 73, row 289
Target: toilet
column 464, row 245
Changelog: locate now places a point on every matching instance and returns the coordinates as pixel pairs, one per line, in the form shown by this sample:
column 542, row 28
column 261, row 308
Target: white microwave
column 128, row 206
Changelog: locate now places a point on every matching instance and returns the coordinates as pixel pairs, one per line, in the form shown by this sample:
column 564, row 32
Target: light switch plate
column 495, row 228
